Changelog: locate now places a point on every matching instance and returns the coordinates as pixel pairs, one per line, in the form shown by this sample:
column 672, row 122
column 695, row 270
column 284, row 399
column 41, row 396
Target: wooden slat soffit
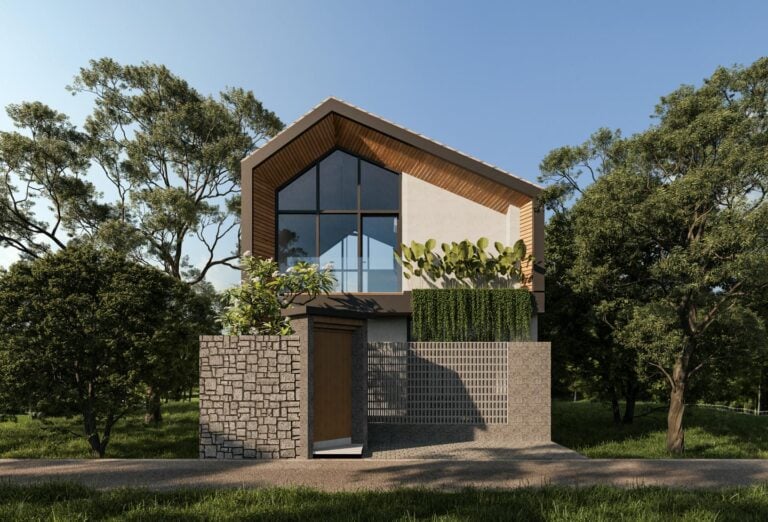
column 335, row 131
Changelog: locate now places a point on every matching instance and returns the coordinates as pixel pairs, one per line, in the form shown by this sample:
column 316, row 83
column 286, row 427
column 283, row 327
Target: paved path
column 335, row 475
column 489, row 450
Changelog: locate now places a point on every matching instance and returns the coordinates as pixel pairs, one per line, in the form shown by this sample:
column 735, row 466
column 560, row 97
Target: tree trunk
column 96, row 446
column 629, row 408
column 92, row 433
column 615, row 407
column 675, row 434
column 153, row 414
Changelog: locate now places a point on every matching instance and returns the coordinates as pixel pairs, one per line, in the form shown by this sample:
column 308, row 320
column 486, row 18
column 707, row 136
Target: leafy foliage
column 671, row 238
column 95, row 328
column 173, row 158
column 170, row 155
column 582, row 319
column 255, row 307
column 46, row 165
column 463, row 314
column 465, row 263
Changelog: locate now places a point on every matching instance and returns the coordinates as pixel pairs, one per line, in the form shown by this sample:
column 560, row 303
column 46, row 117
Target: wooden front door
column 332, row 376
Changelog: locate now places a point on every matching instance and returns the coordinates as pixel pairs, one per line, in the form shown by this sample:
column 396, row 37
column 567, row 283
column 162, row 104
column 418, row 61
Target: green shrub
column 256, row 305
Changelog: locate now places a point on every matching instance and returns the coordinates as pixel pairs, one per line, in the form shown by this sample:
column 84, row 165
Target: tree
column 81, row 332
column 256, row 305
column 45, row 166
column 171, row 155
column 678, row 229
column 587, row 357
column 173, row 158
column 168, row 156
column 172, row 367
column 582, row 318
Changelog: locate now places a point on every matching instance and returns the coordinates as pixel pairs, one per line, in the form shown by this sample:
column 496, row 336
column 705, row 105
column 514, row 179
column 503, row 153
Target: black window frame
column 359, row 212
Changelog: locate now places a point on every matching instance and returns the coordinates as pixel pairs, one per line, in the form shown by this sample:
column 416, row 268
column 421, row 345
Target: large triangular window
column 343, row 211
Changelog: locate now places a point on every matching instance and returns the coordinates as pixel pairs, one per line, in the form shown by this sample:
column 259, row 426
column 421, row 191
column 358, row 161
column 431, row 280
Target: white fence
column 720, row 407
column 438, row 383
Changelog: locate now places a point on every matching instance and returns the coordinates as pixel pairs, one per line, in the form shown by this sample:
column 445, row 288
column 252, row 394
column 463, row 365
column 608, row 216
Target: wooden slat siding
column 336, row 131
column 538, row 256
column 281, row 167
column 400, row 157
column 526, row 234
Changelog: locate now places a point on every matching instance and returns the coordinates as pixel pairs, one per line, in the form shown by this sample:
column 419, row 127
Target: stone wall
column 250, row 397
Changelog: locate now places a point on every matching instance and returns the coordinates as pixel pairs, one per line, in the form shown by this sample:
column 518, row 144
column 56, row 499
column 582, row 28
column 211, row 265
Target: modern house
column 344, row 187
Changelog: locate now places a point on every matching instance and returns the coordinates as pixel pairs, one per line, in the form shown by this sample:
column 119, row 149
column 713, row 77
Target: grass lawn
column 587, row 427
column 583, row 426
column 594, row 504
column 176, row 437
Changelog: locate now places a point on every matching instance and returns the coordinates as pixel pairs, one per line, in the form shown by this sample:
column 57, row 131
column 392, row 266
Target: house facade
column 343, row 187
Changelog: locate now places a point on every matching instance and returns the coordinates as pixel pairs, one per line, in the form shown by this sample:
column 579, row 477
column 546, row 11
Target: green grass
column 583, row 426
column 593, row 504
column 587, row 428
column 175, row 437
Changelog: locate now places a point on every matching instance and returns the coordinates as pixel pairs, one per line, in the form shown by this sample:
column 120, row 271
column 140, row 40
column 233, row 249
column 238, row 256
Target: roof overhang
column 334, row 105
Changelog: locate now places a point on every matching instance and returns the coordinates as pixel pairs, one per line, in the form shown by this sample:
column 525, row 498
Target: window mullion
column 359, row 230
column 359, row 213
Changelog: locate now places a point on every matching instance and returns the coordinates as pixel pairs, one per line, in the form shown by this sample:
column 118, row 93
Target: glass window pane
column 381, row 273
column 295, row 239
column 301, row 194
column 338, row 246
column 338, row 182
column 379, row 188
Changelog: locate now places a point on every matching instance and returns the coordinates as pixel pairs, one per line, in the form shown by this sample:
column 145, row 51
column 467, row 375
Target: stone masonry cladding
column 250, row 397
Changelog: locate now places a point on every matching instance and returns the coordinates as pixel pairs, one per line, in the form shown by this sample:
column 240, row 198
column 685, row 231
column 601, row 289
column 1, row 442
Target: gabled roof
column 333, row 105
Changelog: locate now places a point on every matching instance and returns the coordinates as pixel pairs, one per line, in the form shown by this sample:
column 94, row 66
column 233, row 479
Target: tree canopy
column 671, row 238
column 166, row 157
column 83, row 331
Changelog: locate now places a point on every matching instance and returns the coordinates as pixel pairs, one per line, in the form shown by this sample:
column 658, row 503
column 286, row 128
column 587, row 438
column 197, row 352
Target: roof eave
column 334, row 105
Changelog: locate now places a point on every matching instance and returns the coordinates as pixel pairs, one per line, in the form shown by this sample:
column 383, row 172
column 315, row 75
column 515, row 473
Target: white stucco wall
column 388, row 329
column 431, row 212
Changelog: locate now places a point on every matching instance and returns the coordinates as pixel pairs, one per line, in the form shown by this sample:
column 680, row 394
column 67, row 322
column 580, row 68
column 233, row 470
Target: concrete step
column 344, row 450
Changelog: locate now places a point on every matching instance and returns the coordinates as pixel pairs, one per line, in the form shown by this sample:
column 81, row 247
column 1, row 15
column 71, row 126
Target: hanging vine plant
column 472, row 298
column 465, row 314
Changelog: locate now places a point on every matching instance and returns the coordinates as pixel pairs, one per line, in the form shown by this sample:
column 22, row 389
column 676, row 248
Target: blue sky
column 502, row 81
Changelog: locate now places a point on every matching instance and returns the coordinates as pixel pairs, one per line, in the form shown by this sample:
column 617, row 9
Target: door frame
column 359, row 402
